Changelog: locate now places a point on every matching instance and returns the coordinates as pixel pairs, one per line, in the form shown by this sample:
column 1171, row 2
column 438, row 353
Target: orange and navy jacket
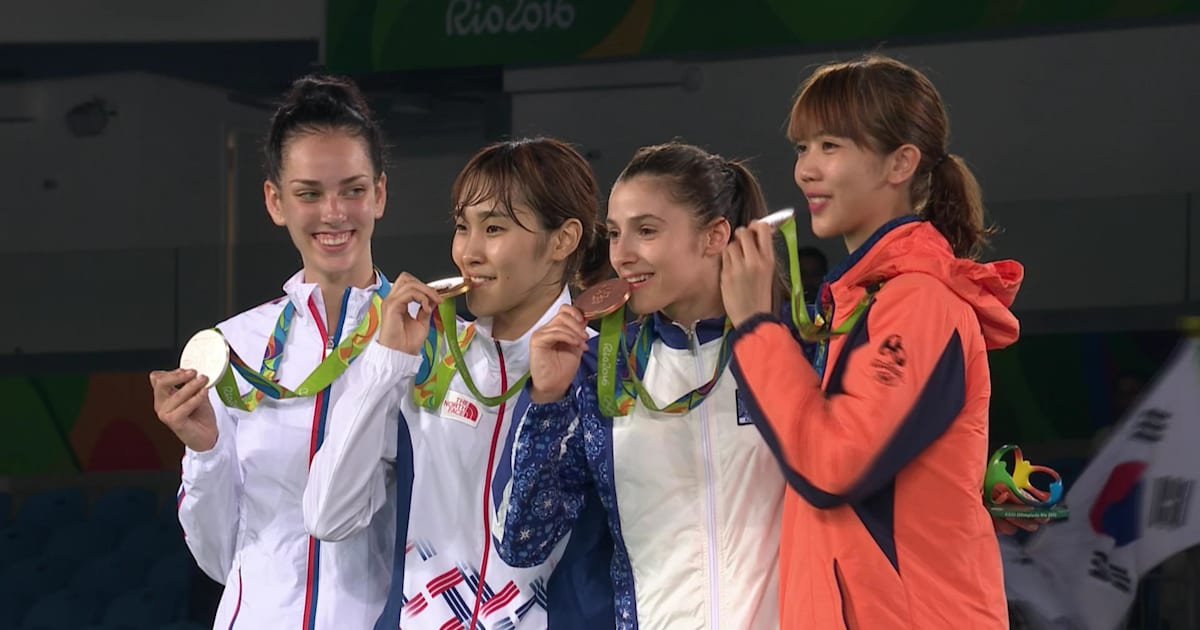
column 884, row 451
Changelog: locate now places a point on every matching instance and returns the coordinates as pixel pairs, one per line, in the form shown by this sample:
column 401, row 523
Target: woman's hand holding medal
column 399, row 329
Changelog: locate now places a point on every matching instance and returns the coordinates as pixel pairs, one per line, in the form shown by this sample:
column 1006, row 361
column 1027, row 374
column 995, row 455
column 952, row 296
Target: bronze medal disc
column 603, row 298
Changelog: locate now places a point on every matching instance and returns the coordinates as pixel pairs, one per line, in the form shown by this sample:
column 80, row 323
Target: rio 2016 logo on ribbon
column 472, row 17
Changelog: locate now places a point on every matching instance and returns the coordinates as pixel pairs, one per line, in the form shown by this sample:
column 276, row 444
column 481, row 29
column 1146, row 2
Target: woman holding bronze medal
column 247, row 454
column 651, row 424
column 424, row 436
column 883, row 436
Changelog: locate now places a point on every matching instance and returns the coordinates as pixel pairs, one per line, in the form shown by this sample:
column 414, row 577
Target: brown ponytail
column 748, row 200
column 955, row 206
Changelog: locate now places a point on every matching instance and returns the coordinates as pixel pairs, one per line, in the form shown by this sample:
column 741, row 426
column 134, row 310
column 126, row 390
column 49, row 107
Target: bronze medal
column 603, row 298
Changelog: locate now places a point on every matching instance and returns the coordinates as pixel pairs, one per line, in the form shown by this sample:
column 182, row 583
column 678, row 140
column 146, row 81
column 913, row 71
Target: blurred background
column 131, row 215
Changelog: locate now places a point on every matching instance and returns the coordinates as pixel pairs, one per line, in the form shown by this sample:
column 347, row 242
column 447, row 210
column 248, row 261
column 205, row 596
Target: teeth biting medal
column 451, row 287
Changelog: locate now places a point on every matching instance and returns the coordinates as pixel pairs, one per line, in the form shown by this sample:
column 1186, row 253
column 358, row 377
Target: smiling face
column 328, row 197
column 849, row 189
column 514, row 264
column 671, row 263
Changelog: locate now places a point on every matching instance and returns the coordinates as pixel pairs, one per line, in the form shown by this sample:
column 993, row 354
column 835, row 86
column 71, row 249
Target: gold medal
column 451, row 287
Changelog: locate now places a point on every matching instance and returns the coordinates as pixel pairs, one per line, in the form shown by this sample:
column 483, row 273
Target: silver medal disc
column 208, row 354
column 775, row 219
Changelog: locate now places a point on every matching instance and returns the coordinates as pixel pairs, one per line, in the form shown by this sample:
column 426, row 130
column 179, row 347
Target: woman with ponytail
column 422, row 436
column 248, row 448
column 688, row 491
column 884, row 443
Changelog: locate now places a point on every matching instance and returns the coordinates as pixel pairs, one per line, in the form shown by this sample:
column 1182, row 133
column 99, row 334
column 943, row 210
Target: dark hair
column 812, row 252
column 713, row 186
column 321, row 104
column 881, row 103
column 550, row 177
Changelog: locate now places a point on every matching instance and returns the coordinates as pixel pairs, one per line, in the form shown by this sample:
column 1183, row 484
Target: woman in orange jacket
column 883, row 436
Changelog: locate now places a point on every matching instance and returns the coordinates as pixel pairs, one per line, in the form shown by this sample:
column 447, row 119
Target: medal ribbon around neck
column 617, row 394
column 818, row 329
column 438, row 368
column 264, row 382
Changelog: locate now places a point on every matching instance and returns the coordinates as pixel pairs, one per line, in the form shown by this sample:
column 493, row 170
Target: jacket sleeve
column 897, row 387
column 210, row 497
column 549, row 480
column 347, row 479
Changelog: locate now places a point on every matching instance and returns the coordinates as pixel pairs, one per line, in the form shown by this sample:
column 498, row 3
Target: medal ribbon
column 818, row 329
column 628, row 388
column 264, row 382
column 438, row 368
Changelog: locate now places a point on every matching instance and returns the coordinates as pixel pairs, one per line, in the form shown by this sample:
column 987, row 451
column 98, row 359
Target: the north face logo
column 459, row 407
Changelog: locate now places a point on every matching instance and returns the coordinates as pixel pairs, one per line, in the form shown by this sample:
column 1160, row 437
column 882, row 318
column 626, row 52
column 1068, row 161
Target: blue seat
column 152, row 540
column 18, row 543
column 183, row 625
column 170, row 523
column 51, row 509
column 122, row 508
column 143, row 608
column 12, row 610
column 81, row 542
column 30, row 577
column 5, row 508
column 110, row 575
column 171, row 574
column 169, row 510
column 63, row 610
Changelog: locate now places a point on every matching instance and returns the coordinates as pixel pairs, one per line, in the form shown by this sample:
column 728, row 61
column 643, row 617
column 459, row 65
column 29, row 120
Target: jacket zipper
column 713, row 589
